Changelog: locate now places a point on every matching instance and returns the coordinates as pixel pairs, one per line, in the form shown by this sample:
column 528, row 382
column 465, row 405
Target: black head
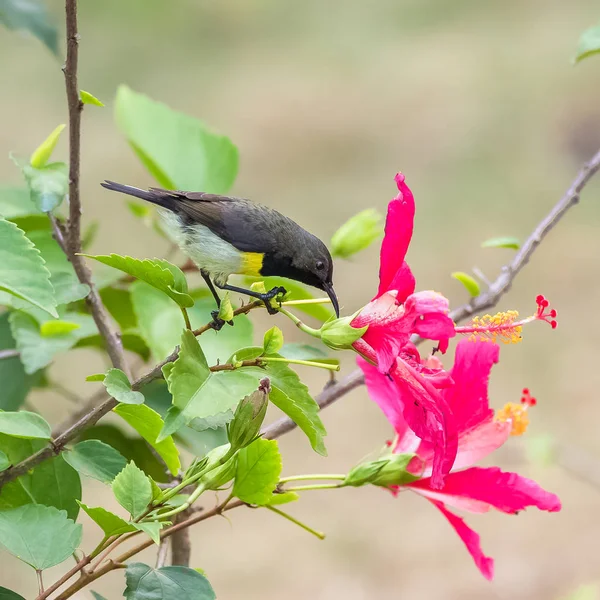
column 310, row 262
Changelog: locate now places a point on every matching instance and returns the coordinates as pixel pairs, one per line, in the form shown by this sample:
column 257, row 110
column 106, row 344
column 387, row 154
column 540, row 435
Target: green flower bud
column 220, row 476
column 338, row 334
column 249, row 416
column 385, row 472
column 357, row 233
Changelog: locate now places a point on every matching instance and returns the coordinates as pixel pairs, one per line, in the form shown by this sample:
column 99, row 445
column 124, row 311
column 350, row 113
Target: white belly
column 207, row 250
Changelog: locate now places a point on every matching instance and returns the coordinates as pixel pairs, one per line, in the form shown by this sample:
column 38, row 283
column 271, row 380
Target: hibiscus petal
column 429, row 416
column 398, row 233
column 507, row 492
column 471, row 540
column 468, row 398
column 403, row 282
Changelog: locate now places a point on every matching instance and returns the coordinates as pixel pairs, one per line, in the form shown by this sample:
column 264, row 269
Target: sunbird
column 224, row 235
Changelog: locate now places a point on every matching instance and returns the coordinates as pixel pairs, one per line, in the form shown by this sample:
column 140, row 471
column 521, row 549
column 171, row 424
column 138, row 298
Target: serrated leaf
column 110, row 523
column 296, row 291
column 161, row 323
column 117, row 385
column 51, row 483
column 198, row 393
column 158, row 273
column 291, row 396
column 41, row 536
column 119, row 304
column 88, row 98
column 24, row 424
column 32, row 16
column 38, row 351
column 15, row 203
column 225, row 308
column 96, row 460
column 502, row 242
column 469, row 283
column 22, row 270
column 132, row 490
column 55, row 328
column 166, row 583
column 357, row 233
column 43, row 152
column 148, row 423
column 258, row 471
column 152, row 529
column 178, row 150
column 48, row 185
column 273, row 341
column 589, row 44
column 6, row 594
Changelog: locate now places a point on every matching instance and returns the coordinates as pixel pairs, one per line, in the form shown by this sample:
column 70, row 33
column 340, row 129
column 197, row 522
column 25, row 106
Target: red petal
column 468, row 398
column 507, row 492
column 398, row 233
column 471, row 540
column 403, row 282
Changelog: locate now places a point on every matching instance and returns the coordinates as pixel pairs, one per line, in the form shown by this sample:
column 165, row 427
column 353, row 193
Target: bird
column 225, row 235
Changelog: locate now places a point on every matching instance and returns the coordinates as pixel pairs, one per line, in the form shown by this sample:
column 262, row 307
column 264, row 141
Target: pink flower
column 474, row 489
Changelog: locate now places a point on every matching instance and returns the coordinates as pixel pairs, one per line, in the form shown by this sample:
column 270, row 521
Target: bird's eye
column 320, row 265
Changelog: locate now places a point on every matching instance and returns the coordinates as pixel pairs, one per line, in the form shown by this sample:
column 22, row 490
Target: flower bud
column 385, row 472
column 338, row 334
column 357, row 233
column 249, row 416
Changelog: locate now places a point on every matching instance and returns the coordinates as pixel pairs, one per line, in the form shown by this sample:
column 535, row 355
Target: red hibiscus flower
column 474, row 489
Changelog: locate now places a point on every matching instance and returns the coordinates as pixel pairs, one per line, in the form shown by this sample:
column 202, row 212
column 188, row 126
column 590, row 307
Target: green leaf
column 22, row 270
column 152, row 529
column 198, row 393
column 15, row 203
column 15, row 382
column 158, row 273
column 290, row 395
column 6, row 594
column 502, row 242
column 43, row 152
column 161, row 323
column 110, row 523
column 24, row 424
column 300, row 351
column 96, row 377
column 273, row 341
column 55, row 328
column 149, row 424
column 258, row 471
column 178, row 150
column 48, row 185
column 4, row 461
column 38, row 351
column 166, row 583
column 96, row 460
column 469, row 283
column 51, row 483
column 88, row 98
column 357, row 233
column 117, row 385
column 132, row 490
column 296, row 291
column 283, row 498
column 32, row 16
column 589, row 44
column 41, row 536
column 119, row 304
column 225, row 308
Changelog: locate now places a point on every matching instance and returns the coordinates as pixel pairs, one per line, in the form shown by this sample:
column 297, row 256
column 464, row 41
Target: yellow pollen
column 516, row 414
column 501, row 327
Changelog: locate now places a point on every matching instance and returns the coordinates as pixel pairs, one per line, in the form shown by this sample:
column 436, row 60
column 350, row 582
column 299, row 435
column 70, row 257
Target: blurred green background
column 479, row 105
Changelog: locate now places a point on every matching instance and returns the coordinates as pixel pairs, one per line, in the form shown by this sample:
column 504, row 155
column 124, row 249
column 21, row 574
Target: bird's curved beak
column 328, row 287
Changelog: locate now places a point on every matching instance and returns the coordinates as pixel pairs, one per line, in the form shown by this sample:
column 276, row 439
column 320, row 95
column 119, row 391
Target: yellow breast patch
column 252, row 263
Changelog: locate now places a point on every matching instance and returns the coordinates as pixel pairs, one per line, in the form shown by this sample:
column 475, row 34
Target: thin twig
column 484, row 301
column 161, row 555
column 9, row 353
column 181, row 545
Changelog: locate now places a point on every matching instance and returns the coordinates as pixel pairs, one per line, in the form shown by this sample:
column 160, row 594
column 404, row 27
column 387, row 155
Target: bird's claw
column 217, row 322
column 268, row 296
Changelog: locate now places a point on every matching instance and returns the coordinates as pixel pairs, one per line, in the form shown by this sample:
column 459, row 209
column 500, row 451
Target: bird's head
column 314, row 267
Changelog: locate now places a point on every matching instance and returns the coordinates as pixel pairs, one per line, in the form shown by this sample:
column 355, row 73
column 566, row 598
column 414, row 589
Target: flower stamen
column 516, row 414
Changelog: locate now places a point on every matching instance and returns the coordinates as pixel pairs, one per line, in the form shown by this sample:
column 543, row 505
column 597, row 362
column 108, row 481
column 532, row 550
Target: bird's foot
column 267, row 297
column 217, row 322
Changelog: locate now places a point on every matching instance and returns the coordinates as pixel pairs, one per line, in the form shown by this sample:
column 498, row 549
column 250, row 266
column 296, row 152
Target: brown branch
column 9, row 353
column 70, row 241
column 181, row 545
column 485, row 300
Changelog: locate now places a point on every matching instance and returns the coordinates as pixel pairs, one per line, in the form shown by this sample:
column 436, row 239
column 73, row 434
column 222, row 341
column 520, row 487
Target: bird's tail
column 155, row 197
